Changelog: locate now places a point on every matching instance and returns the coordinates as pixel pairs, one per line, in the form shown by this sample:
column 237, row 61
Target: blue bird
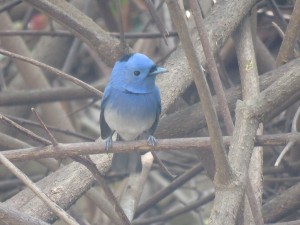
column 130, row 107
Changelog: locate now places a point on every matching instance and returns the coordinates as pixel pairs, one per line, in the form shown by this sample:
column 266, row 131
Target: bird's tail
column 126, row 163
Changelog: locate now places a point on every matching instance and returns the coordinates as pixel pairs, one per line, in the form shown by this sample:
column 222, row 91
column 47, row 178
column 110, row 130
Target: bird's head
column 135, row 73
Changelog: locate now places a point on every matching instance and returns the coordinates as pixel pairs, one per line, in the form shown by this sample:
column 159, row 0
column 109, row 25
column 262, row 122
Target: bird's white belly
column 128, row 124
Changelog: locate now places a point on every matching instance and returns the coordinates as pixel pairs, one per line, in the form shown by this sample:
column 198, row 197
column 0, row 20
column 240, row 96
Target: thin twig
column 160, row 4
column 42, row 124
column 212, row 66
column 52, row 205
column 286, row 51
column 3, row 86
column 277, row 14
column 174, row 185
column 25, row 131
column 157, row 20
column 131, row 35
column 72, row 54
column 52, row 70
column 85, row 106
column 162, row 165
column 108, row 192
column 9, row 5
column 29, row 122
column 100, row 201
column 121, row 28
column 174, row 213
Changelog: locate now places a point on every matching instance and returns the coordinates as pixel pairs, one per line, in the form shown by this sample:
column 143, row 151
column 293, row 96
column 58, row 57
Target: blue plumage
column 131, row 106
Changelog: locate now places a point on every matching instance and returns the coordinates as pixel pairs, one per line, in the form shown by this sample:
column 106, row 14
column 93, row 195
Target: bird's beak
column 159, row 70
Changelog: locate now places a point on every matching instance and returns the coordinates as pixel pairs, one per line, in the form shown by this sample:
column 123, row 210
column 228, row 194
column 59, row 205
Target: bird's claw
column 108, row 144
column 151, row 141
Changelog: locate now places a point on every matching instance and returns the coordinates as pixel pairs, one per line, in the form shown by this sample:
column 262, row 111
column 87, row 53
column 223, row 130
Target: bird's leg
column 151, row 141
column 108, row 144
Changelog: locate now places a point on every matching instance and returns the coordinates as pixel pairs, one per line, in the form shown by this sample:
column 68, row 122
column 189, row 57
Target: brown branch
column 157, row 20
column 212, row 66
column 32, row 76
column 282, row 204
column 9, row 5
column 286, row 51
column 125, row 48
column 188, row 120
column 295, row 222
column 42, row 124
column 278, row 17
column 162, row 166
column 174, row 185
column 12, row 216
column 134, row 186
column 52, row 205
column 279, row 93
column 101, row 202
column 53, row 70
column 36, row 96
column 25, row 131
column 108, row 192
column 177, row 212
column 223, row 169
column 82, row 26
column 222, row 20
column 248, row 115
column 36, row 33
column 250, row 89
column 61, row 180
column 62, row 33
column 34, row 124
column 85, row 148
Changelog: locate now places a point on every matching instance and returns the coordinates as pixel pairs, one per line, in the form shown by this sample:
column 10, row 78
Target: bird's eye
column 136, row 73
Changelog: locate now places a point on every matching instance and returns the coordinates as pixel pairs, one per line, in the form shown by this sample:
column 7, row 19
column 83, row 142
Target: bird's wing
column 105, row 129
column 158, row 111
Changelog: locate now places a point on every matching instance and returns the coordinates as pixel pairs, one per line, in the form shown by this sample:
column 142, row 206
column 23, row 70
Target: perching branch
column 84, row 148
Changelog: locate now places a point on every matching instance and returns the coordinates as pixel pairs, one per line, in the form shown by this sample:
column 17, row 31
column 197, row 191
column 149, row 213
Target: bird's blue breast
column 131, row 114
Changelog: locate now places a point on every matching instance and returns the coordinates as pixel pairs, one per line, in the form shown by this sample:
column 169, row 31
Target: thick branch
column 188, row 120
column 223, row 170
column 222, row 20
column 12, row 216
column 82, row 26
column 60, row 180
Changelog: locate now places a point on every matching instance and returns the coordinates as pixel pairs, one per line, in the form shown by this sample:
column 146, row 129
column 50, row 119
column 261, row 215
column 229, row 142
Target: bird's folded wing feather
column 105, row 129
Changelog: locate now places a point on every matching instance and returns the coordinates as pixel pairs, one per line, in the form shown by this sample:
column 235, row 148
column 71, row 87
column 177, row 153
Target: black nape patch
column 125, row 58
column 153, row 68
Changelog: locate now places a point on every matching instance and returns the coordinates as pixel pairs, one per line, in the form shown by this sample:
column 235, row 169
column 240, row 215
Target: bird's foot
column 151, row 141
column 108, row 144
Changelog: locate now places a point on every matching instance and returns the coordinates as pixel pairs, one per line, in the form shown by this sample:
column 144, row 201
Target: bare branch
column 52, row 205
column 12, row 216
column 189, row 144
column 53, row 70
column 82, row 26
column 286, row 51
column 223, row 169
column 212, row 66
